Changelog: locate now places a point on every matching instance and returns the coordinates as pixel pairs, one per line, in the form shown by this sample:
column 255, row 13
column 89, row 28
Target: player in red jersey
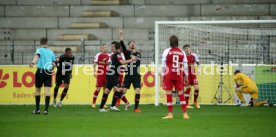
column 101, row 59
column 192, row 60
column 174, row 61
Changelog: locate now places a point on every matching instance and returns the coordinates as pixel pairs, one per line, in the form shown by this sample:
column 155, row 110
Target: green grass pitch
column 83, row 121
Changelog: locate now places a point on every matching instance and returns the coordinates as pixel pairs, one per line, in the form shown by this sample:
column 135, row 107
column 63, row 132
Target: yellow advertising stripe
column 18, row 87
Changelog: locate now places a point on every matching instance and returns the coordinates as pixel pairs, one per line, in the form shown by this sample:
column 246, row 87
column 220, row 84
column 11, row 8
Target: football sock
column 137, row 99
column 64, row 93
column 116, row 96
column 95, row 96
column 104, row 98
column 37, row 102
column 118, row 102
column 169, row 103
column 47, row 102
column 183, row 102
column 196, row 92
column 123, row 97
column 56, row 91
column 187, row 95
column 261, row 103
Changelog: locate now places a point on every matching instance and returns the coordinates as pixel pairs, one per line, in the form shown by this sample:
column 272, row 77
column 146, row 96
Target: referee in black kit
column 44, row 58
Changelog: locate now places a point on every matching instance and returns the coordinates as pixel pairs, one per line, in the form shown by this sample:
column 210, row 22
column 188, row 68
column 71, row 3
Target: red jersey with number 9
column 173, row 60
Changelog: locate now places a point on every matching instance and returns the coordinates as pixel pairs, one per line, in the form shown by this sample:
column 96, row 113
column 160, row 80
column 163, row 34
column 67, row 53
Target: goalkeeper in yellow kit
column 247, row 86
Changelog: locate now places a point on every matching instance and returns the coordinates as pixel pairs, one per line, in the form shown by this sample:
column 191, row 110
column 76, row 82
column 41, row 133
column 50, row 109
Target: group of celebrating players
column 121, row 68
column 174, row 60
column 118, row 71
column 122, row 63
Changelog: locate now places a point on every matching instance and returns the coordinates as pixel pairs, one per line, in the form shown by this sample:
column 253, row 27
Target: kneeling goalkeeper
column 247, row 86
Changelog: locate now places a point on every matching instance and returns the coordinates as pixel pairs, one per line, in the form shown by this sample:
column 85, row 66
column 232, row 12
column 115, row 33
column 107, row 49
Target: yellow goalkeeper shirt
column 243, row 79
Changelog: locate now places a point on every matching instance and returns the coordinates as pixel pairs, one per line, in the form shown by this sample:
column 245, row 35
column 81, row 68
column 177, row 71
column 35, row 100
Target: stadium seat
column 99, row 14
column 85, row 25
column 76, row 37
column 108, row 2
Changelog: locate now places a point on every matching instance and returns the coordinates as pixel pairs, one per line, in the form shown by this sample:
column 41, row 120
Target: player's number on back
column 175, row 64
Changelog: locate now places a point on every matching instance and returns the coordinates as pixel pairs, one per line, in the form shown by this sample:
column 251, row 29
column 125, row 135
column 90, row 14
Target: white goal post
column 233, row 38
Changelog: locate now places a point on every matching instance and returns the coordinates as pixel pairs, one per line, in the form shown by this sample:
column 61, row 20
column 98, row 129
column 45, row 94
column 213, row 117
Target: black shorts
column 112, row 81
column 65, row 78
column 134, row 79
column 43, row 77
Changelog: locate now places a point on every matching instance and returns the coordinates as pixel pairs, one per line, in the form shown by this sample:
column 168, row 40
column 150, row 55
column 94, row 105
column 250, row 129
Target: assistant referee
column 44, row 58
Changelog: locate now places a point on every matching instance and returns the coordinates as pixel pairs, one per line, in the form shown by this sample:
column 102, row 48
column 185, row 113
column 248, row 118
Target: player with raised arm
column 121, row 74
column 64, row 73
column 132, row 75
column 174, row 63
column 112, row 77
column 192, row 79
column 101, row 61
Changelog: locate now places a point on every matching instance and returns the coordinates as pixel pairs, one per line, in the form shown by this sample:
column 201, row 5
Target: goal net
column 223, row 47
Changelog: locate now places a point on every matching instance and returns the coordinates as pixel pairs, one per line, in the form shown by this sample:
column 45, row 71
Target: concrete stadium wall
column 27, row 21
column 112, row 22
column 134, row 27
column 122, row 10
column 36, row 11
column 142, row 10
column 133, row 2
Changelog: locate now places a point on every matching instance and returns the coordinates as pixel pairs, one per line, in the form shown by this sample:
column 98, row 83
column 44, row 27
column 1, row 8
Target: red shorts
column 192, row 80
column 178, row 85
column 101, row 81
